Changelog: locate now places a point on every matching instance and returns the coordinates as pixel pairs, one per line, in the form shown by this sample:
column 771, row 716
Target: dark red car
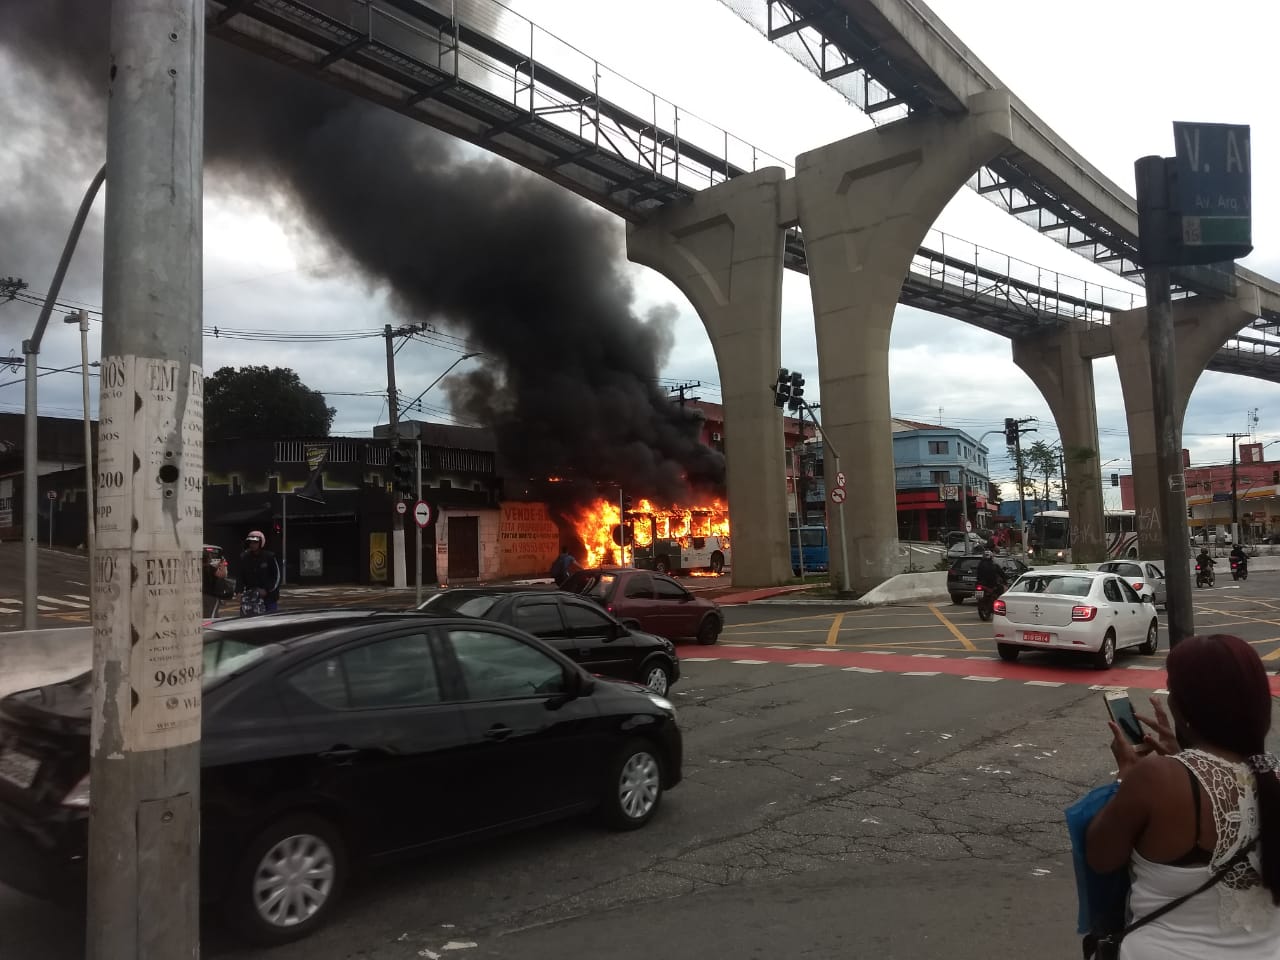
column 656, row 602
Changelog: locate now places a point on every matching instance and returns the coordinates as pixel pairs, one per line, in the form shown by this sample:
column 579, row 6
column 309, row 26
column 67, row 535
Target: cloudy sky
column 1102, row 74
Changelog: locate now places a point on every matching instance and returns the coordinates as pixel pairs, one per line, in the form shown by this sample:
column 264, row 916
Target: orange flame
column 595, row 526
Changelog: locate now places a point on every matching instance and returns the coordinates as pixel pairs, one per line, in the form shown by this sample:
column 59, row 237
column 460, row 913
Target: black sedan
column 573, row 625
column 332, row 739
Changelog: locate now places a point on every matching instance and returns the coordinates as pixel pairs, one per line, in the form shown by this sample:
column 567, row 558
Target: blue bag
column 1104, row 897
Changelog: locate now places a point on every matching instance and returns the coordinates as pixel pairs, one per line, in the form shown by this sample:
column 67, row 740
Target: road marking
column 1273, row 655
column 7, row 610
column 699, row 659
column 1143, row 666
column 861, row 670
column 76, row 596
column 980, row 658
column 806, row 665
column 880, row 653
column 955, row 631
column 65, row 603
column 984, row 679
column 920, row 673
column 753, row 663
column 780, row 646
column 1042, row 683
column 834, row 633
column 931, row 656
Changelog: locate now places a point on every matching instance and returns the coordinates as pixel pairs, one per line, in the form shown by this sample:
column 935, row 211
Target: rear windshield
column 1124, row 569
column 963, row 566
column 461, row 602
column 594, row 585
column 1065, row 585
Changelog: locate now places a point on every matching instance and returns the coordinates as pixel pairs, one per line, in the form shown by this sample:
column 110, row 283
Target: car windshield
column 462, row 602
column 1064, row 585
column 594, row 585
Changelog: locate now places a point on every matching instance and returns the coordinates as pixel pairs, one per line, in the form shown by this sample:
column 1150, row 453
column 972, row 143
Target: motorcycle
column 986, row 601
column 1239, row 569
column 1204, row 576
column 252, row 604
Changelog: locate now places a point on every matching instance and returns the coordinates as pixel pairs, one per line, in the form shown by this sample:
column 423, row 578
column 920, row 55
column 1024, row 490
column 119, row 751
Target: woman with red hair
column 1197, row 815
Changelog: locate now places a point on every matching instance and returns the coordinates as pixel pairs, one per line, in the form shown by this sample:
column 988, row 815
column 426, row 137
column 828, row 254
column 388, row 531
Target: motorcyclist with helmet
column 990, row 576
column 1204, row 567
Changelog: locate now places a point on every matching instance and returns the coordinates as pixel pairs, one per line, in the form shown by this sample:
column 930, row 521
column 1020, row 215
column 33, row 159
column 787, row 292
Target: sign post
column 1193, row 208
column 52, row 497
column 144, row 744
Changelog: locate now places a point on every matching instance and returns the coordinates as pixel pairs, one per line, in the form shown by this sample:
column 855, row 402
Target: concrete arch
column 724, row 250
column 864, row 205
column 1201, row 327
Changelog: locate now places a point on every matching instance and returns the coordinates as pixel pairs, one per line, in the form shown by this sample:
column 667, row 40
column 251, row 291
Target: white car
column 1144, row 576
column 1087, row 611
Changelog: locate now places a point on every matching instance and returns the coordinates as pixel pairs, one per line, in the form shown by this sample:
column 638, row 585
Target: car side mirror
column 630, row 624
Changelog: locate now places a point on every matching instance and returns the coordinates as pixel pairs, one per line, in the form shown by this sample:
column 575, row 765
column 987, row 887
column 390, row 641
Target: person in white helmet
column 259, row 570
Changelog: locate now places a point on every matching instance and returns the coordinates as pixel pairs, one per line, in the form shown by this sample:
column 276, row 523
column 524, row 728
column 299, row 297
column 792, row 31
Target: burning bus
column 677, row 540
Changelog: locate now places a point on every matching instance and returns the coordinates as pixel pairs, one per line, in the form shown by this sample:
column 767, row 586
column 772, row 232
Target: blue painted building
column 932, row 463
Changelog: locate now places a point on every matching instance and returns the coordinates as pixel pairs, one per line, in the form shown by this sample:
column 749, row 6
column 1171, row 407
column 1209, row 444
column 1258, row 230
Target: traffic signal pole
column 400, row 579
column 143, row 793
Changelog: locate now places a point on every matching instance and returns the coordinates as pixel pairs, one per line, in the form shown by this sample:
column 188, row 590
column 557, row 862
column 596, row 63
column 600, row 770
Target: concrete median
column 908, row 586
column 29, row 658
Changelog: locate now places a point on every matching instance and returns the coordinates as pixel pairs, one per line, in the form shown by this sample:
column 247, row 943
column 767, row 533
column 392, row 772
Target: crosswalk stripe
column 806, row 665
column 921, row 673
column 984, row 679
column 76, row 596
column 1043, row 683
column 65, row 603
column 861, row 670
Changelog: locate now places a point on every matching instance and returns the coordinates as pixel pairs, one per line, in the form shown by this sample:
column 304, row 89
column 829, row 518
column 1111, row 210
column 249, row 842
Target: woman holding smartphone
column 1199, row 807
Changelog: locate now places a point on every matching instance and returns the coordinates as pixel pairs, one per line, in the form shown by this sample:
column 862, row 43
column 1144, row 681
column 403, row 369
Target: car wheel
column 1153, row 639
column 288, row 881
column 709, row 631
column 660, row 566
column 1106, row 656
column 957, row 599
column 656, row 677
column 717, row 563
column 1008, row 651
column 635, row 786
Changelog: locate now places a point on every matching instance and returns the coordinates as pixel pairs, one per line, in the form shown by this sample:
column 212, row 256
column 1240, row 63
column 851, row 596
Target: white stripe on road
column 861, row 670
column 7, row 610
column 1142, row 666
column 921, row 673
column 753, row 663
column 980, row 658
column 698, row 659
column 1043, row 683
column 930, row 656
column 985, row 679
column 65, row 603
column 880, row 653
column 76, row 596
column 806, row 664
column 780, row 646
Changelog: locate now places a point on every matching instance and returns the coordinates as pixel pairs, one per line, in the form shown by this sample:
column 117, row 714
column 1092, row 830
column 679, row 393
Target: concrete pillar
column 724, row 250
column 865, row 205
column 1201, row 327
column 1058, row 365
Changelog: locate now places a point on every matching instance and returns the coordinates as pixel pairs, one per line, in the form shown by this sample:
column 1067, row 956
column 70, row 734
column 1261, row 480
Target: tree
column 1043, row 461
column 263, row 403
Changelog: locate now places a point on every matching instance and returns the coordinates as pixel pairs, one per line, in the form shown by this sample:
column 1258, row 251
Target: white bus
column 1049, row 535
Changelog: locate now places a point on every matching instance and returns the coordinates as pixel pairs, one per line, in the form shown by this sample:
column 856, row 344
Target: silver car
column 1144, row 576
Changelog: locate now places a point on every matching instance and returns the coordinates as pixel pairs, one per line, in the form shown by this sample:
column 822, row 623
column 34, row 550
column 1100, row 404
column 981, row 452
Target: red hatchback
column 656, row 602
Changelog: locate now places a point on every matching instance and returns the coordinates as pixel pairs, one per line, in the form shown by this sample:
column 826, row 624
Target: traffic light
column 1115, row 479
column 403, row 474
column 796, row 400
column 626, row 503
column 1010, row 431
column 782, row 388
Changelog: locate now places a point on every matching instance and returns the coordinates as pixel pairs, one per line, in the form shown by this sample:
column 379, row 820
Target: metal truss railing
column 480, row 71
column 827, row 39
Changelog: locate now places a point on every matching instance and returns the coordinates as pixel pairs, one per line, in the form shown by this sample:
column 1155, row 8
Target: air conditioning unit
column 715, row 436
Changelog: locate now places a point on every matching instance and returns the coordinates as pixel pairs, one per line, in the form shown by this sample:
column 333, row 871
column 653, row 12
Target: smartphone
column 1121, row 710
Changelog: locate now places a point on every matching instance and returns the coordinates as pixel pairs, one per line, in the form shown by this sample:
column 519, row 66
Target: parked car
column 656, row 602
column 575, row 626
column 1145, row 577
column 340, row 738
column 1086, row 611
column 962, row 575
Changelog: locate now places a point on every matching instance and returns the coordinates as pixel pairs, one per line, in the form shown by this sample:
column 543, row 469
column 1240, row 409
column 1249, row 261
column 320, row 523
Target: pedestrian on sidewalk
column 1196, row 818
column 564, row 566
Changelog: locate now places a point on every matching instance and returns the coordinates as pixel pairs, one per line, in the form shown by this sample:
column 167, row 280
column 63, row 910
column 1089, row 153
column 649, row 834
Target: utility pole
column 1153, row 229
column 144, row 819
column 1235, row 484
column 393, row 411
column 417, row 527
column 680, row 392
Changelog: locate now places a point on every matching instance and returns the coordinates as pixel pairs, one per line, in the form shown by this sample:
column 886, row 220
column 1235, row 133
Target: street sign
column 422, row 513
column 52, row 495
column 951, row 491
column 1212, row 188
column 402, row 507
column 840, row 480
column 838, row 495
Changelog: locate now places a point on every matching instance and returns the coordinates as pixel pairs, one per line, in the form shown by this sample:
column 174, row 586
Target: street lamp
column 465, row 356
column 90, row 521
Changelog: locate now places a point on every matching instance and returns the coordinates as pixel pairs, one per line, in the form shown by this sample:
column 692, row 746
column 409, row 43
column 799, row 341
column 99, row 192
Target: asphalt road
column 859, row 783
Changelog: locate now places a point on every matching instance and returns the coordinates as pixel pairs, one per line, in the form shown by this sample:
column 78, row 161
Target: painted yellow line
column 955, row 631
column 1273, row 655
column 765, row 623
column 834, row 633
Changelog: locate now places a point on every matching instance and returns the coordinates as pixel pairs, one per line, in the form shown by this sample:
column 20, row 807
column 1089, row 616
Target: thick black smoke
column 532, row 275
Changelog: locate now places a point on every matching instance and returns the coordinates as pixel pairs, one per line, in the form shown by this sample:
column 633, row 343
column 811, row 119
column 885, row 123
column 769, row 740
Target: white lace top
column 1234, row 919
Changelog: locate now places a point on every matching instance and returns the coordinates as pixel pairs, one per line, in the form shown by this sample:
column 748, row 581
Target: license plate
column 18, row 768
column 1034, row 636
